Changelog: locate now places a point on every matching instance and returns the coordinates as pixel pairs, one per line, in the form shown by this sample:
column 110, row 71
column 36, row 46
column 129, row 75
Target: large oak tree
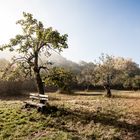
column 34, row 41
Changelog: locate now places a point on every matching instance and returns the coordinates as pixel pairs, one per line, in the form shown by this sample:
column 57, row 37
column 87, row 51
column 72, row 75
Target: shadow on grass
column 83, row 93
column 89, row 94
column 64, row 116
column 13, row 98
column 125, row 97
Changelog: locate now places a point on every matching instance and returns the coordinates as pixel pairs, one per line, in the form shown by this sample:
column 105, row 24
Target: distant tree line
column 122, row 73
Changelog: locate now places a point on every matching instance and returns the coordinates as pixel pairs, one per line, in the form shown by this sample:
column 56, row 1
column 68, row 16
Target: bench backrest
column 38, row 97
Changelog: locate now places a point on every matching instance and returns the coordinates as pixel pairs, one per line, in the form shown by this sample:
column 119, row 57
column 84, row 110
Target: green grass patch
column 74, row 117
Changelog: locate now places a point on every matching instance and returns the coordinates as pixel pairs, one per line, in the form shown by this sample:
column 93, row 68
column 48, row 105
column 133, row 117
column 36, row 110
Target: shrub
column 10, row 88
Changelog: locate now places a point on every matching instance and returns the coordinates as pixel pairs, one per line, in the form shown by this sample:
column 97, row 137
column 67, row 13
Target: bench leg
column 42, row 109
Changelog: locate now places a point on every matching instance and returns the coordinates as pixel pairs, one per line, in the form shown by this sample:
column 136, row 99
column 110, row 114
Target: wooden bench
column 37, row 100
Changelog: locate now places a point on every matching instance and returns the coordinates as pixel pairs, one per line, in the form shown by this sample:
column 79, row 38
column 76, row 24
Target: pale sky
column 93, row 26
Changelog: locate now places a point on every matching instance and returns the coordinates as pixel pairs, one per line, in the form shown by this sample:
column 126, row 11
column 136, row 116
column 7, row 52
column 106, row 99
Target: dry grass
column 82, row 116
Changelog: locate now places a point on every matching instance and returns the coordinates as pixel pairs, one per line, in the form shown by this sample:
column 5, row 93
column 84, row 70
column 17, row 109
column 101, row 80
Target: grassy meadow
column 81, row 116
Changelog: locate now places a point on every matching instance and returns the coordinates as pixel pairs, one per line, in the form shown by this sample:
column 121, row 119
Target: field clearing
column 82, row 116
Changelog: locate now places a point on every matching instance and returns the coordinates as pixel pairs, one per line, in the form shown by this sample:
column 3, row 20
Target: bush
column 16, row 88
column 10, row 88
column 61, row 78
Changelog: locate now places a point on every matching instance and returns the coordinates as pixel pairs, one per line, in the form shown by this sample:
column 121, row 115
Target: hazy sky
column 93, row 26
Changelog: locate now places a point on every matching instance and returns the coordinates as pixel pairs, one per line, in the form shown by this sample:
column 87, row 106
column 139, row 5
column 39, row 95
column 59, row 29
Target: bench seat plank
column 38, row 95
column 38, row 98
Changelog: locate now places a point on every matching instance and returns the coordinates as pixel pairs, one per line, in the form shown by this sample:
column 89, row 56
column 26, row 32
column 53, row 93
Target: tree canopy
column 34, row 41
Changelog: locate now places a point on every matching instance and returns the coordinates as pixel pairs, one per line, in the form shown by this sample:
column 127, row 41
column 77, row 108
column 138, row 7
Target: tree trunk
column 108, row 92
column 39, row 82
column 40, row 86
column 107, row 87
column 87, row 88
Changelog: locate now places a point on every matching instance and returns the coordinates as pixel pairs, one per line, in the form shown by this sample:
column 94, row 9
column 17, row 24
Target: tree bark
column 40, row 86
column 39, row 83
column 87, row 88
column 107, row 87
column 108, row 92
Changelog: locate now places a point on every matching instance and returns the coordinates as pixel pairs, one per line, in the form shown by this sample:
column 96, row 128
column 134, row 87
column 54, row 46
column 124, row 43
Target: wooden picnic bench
column 37, row 100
